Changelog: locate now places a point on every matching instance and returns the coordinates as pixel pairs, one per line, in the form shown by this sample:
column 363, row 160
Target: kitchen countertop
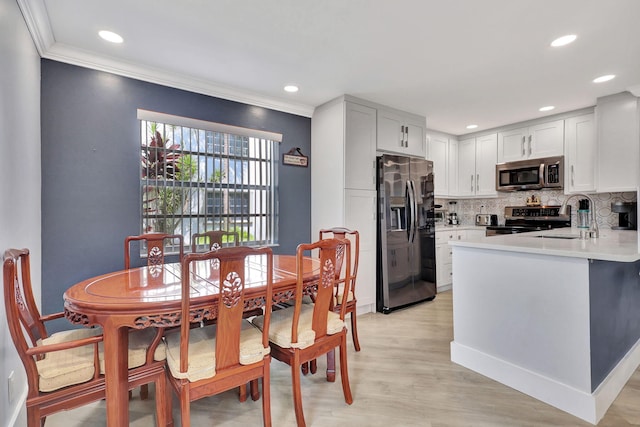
column 460, row 227
column 612, row 245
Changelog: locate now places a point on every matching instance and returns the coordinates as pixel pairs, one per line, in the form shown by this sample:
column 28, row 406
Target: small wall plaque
column 294, row 157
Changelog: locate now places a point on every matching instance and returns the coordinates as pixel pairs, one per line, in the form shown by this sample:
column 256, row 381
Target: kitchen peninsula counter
column 612, row 245
column 555, row 318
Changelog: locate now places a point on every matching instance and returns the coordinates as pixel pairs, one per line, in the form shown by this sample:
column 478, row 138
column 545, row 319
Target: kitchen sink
column 559, row 236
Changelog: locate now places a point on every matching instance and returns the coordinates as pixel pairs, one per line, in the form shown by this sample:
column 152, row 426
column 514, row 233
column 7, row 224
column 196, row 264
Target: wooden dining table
column 150, row 296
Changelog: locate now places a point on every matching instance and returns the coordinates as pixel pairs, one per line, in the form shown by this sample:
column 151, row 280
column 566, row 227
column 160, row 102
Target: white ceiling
column 457, row 62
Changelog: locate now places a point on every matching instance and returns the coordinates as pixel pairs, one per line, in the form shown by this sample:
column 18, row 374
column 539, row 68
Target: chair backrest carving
column 354, row 238
column 155, row 247
column 329, row 253
column 231, row 272
column 213, row 237
column 19, row 300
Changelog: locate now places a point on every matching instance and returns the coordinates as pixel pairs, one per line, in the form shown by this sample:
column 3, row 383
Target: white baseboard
column 445, row 288
column 18, row 412
column 590, row 407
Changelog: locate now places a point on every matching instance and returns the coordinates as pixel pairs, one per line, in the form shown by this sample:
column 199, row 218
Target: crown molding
column 635, row 90
column 37, row 20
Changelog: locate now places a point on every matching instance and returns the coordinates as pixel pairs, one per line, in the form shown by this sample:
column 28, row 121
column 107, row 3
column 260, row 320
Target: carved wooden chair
column 303, row 332
column 343, row 282
column 230, row 353
column 216, row 237
column 213, row 237
column 64, row 369
column 156, row 250
column 155, row 247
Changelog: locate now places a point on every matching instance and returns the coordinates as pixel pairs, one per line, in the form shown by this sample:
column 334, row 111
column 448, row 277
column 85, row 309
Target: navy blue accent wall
column 91, row 167
column 614, row 298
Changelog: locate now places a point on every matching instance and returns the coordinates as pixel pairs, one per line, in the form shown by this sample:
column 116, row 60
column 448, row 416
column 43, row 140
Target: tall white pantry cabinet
column 343, row 182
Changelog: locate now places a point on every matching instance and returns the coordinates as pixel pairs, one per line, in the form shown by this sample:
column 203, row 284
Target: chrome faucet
column 593, row 232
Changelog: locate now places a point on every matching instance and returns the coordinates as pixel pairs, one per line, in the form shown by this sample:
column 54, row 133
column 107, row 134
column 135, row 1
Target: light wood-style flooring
column 402, row 377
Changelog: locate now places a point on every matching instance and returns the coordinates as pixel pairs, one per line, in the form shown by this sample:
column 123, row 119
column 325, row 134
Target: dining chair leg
column 266, row 397
column 313, row 366
column 354, row 331
column 255, row 393
column 242, row 393
column 33, row 417
column 297, row 393
column 168, row 403
column 331, row 366
column 185, row 409
column 144, row 391
column 162, row 417
column 344, row 372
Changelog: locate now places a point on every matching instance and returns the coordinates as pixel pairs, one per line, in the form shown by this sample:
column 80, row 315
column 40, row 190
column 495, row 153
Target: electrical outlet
column 11, row 380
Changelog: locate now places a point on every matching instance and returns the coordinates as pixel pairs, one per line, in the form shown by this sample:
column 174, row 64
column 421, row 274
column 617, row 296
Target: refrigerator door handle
column 408, row 202
column 412, row 205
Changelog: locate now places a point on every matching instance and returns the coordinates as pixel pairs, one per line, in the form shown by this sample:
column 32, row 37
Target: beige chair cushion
column 339, row 296
column 139, row 342
column 74, row 366
column 280, row 327
column 67, row 367
column 202, row 351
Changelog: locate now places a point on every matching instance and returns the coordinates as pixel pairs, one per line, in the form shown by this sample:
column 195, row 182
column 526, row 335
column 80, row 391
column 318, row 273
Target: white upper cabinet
column 580, row 154
column 486, row 152
column 439, row 153
column 453, row 167
column 536, row 141
column 466, row 167
column 401, row 133
column 477, row 166
column 360, row 147
column 618, row 128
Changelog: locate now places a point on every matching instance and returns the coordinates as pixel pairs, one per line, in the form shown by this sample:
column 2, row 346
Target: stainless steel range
column 522, row 219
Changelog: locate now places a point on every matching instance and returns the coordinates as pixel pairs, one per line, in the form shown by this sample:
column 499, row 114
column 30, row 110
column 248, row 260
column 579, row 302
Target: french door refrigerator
column 407, row 253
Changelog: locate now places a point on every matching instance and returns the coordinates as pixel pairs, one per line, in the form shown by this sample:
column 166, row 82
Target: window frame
column 252, row 154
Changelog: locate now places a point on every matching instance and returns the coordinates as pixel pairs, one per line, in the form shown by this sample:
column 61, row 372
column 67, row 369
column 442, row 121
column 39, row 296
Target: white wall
column 20, row 183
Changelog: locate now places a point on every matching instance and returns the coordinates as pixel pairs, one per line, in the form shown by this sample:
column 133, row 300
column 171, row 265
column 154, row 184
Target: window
column 198, row 176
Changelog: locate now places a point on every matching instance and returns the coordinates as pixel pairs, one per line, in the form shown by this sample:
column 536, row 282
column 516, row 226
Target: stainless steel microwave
column 532, row 174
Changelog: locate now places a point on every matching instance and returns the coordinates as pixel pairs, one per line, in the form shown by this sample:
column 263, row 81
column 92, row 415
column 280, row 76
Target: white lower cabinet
column 444, row 271
column 360, row 214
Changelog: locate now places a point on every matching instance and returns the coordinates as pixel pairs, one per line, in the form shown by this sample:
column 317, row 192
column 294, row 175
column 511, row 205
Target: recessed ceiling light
column 606, row 78
column 472, row 126
column 291, row 88
column 547, row 108
column 564, row 40
column 111, row 36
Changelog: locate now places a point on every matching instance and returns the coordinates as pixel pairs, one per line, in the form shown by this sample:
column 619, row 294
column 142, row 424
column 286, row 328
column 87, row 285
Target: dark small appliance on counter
column 627, row 215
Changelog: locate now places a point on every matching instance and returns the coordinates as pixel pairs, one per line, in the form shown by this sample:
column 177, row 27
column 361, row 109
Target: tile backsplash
column 468, row 208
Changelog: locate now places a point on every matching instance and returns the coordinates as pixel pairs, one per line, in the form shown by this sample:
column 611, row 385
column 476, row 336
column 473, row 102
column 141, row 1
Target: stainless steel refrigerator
column 407, row 253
